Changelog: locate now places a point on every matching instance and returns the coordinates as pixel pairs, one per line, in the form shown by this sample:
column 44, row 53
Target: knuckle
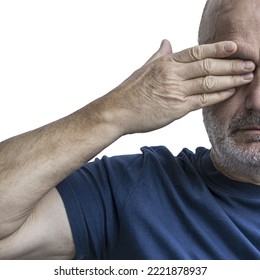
column 208, row 83
column 234, row 67
column 163, row 71
column 199, row 101
column 216, row 49
column 167, row 58
column 196, row 52
column 208, row 66
column 203, row 100
column 234, row 80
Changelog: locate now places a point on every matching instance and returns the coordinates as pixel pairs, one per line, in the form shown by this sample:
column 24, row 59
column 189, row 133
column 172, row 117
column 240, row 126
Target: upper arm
column 46, row 234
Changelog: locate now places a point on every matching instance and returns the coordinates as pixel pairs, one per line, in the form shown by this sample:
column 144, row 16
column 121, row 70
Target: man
column 152, row 205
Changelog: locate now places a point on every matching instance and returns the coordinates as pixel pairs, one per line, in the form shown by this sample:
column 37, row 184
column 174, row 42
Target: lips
column 248, row 123
column 250, row 134
column 246, row 129
column 250, row 128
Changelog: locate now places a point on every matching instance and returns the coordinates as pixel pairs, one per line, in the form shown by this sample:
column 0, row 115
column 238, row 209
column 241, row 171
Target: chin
column 240, row 158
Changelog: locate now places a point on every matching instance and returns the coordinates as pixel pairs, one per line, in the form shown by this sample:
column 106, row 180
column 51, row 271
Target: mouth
column 249, row 134
column 247, row 124
column 251, row 129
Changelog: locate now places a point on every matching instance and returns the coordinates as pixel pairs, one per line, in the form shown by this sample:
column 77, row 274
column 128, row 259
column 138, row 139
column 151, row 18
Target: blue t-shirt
column 154, row 205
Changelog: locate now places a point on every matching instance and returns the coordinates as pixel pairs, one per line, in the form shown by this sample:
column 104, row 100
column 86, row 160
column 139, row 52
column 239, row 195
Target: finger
column 199, row 101
column 165, row 48
column 216, row 50
column 211, row 84
column 215, row 67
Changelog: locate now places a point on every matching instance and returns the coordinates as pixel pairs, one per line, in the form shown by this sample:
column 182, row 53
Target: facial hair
column 229, row 153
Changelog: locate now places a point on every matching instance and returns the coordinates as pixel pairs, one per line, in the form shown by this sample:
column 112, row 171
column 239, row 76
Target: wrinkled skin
column 233, row 126
column 166, row 88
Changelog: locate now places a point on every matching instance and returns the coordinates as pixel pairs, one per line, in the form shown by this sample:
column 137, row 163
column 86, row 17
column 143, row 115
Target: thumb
column 165, row 48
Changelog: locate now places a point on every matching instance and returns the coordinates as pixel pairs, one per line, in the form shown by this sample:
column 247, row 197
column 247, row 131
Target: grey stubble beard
column 226, row 152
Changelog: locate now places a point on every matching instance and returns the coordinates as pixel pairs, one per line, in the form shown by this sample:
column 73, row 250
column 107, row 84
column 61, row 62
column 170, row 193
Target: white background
column 57, row 56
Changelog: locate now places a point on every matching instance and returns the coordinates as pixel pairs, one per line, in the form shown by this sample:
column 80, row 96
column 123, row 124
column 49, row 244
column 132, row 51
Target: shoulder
column 150, row 158
column 129, row 169
column 162, row 156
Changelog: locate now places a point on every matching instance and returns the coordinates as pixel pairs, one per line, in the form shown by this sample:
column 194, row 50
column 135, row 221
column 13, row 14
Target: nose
column 253, row 97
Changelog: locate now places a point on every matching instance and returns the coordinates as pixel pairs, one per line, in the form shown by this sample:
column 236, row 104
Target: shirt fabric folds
column 154, row 205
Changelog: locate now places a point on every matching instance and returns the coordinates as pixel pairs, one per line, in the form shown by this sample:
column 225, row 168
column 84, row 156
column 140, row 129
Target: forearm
column 33, row 163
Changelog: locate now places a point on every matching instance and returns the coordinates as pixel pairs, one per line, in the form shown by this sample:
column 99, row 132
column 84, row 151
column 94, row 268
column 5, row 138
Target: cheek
column 226, row 110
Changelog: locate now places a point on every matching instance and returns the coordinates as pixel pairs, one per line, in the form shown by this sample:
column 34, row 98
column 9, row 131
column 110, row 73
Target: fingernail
column 248, row 76
column 229, row 47
column 248, row 65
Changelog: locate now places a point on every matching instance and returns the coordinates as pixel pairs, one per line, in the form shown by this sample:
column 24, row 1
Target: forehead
column 239, row 21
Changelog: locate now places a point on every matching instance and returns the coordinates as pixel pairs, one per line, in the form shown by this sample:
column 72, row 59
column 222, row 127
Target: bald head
column 222, row 18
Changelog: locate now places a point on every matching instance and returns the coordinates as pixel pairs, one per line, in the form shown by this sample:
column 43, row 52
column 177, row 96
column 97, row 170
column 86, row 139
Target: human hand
column 170, row 85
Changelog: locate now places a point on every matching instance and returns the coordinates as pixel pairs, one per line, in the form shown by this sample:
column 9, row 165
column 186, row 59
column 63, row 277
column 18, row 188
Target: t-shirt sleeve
column 94, row 196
